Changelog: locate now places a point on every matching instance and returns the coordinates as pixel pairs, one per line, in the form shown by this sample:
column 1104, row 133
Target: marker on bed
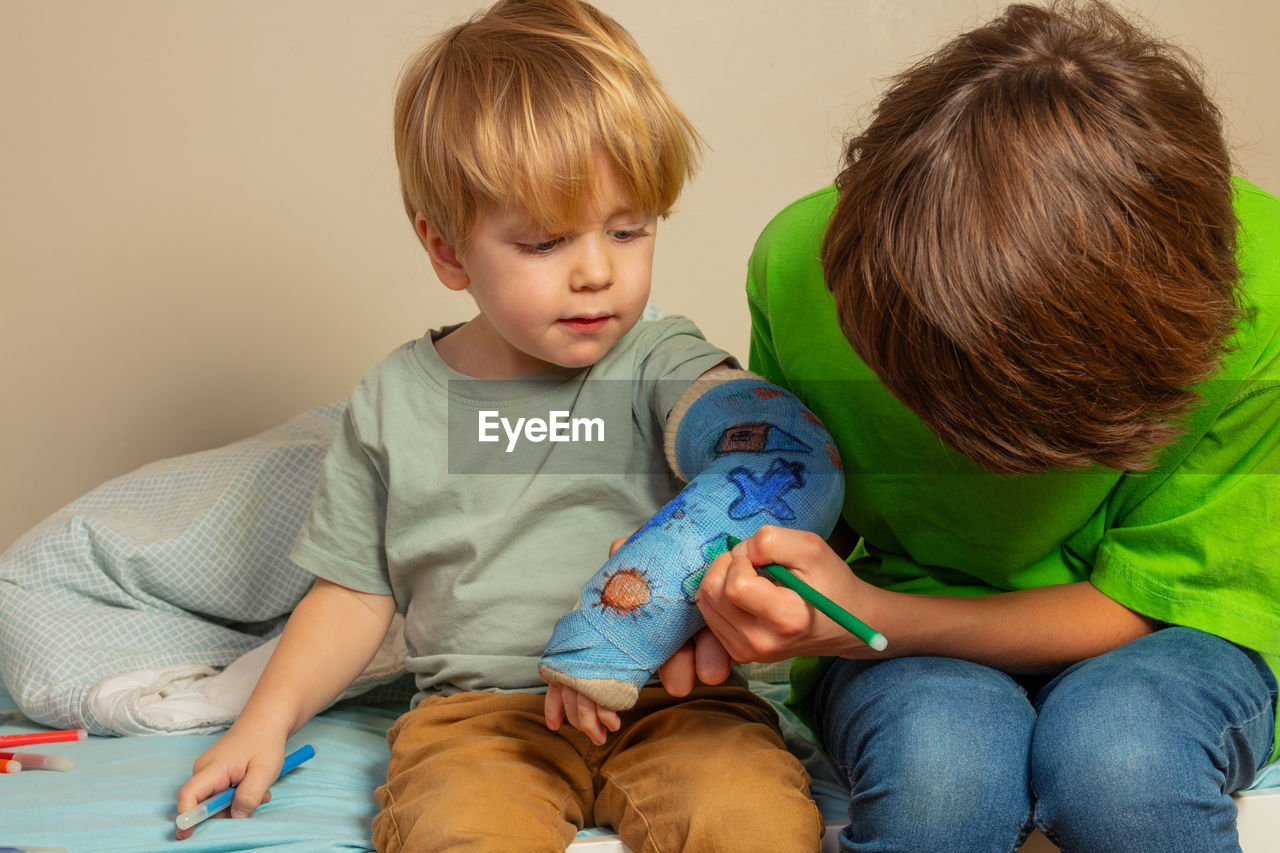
column 33, row 850
column 10, row 766
column 824, row 605
column 32, row 761
column 43, row 737
column 218, row 802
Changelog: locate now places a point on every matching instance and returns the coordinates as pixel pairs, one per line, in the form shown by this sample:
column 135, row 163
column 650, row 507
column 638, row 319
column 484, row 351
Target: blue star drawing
column 765, row 495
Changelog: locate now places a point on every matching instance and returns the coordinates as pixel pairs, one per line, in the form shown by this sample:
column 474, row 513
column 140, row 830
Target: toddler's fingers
column 201, row 786
column 569, row 705
column 588, row 719
column 609, row 718
column 252, row 790
column 553, row 707
column 182, row 834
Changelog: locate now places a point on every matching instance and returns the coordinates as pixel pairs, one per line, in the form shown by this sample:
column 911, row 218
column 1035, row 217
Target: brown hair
column 511, row 107
column 1033, row 245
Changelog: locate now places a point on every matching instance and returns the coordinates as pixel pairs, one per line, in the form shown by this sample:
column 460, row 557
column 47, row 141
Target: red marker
column 42, row 737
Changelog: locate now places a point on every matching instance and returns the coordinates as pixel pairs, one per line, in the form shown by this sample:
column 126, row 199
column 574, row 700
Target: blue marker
column 33, row 850
column 218, row 802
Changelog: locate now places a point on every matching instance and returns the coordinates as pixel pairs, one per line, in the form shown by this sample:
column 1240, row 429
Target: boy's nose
column 593, row 270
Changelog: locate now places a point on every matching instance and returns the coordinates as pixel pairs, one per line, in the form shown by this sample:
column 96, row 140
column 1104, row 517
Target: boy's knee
column 726, row 782
column 447, row 817
column 1150, row 735
column 935, row 721
column 791, row 823
column 719, row 816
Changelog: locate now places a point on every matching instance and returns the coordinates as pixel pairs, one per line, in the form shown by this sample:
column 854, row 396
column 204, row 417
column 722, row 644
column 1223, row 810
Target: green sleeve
column 1200, row 549
column 342, row 539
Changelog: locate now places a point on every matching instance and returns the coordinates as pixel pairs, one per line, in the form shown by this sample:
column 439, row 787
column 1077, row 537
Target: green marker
column 824, row 605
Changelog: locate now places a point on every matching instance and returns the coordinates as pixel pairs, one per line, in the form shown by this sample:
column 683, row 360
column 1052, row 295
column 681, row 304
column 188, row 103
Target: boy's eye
column 624, row 235
column 542, row 247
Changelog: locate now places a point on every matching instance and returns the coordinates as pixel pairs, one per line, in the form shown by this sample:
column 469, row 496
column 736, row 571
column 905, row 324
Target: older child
column 537, row 152
column 1052, row 365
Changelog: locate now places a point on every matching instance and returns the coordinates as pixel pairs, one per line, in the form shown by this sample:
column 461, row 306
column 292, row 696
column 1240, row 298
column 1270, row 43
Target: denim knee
column 1140, row 748
column 935, row 752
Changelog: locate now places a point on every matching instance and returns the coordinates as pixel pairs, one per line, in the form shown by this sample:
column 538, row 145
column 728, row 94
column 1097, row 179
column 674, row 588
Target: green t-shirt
column 1193, row 542
column 483, row 531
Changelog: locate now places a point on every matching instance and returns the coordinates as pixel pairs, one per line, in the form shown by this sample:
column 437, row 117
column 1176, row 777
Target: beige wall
column 200, row 233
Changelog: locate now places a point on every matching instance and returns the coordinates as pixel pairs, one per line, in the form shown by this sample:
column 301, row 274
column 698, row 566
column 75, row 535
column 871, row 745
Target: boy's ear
column 444, row 258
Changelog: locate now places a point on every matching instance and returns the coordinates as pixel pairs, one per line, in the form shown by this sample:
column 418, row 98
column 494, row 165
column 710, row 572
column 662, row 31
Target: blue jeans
column 1135, row 750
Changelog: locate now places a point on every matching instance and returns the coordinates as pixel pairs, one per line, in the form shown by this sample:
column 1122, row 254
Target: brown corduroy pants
column 708, row 772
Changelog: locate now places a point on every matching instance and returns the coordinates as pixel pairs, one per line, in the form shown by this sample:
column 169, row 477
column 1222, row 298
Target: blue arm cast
column 753, row 455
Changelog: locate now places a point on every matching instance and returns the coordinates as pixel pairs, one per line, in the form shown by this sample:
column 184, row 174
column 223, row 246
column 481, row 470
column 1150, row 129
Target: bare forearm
column 329, row 640
column 1033, row 630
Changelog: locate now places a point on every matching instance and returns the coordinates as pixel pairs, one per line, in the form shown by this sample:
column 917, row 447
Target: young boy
column 537, row 152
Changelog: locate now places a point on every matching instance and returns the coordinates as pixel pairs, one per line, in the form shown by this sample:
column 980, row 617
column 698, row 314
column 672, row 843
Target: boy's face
column 561, row 299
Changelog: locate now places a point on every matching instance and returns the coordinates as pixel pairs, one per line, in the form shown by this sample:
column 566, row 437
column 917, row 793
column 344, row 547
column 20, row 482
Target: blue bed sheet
column 120, row 796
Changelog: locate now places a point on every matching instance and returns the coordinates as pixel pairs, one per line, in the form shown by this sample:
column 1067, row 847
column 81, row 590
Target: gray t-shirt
column 482, row 525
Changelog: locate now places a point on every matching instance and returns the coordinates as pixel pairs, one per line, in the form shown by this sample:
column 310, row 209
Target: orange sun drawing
column 626, row 592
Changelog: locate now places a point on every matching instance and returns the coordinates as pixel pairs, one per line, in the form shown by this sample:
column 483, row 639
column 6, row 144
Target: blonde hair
column 512, row 107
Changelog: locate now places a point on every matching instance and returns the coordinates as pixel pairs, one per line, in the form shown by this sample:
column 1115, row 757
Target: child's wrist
column 268, row 722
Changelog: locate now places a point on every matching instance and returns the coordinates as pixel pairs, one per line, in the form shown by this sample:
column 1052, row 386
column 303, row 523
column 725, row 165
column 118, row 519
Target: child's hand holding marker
column 761, row 611
column 822, row 604
column 221, row 801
